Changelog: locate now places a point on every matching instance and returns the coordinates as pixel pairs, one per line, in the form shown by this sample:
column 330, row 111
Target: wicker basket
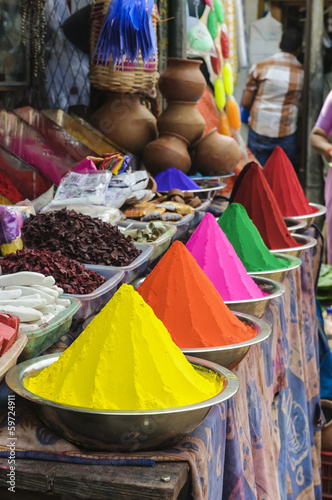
column 127, row 78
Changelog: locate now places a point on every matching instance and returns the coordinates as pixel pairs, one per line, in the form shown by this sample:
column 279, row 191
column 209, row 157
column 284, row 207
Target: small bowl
column 294, row 224
column 110, row 430
column 306, row 242
column 309, row 219
column 230, row 355
column 258, row 307
column 279, row 274
column 10, row 357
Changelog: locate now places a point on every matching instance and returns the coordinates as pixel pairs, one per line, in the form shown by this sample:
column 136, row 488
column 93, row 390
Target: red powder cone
column 286, row 187
column 252, row 190
column 185, row 300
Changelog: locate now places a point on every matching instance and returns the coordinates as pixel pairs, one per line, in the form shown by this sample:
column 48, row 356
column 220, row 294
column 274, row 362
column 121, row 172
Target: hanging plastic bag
column 219, row 94
column 199, row 40
column 227, row 75
column 233, row 113
column 10, row 233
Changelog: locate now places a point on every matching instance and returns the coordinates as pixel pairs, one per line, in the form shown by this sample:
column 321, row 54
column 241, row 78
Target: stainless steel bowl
column 109, row 430
column 258, row 307
column 306, row 242
column 309, row 219
column 279, row 274
column 294, row 224
column 231, row 355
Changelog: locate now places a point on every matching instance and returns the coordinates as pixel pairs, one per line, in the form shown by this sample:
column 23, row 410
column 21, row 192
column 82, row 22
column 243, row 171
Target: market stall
column 158, row 323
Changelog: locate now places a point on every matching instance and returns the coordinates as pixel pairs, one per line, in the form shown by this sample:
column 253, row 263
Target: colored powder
column 286, row 187
column 216, row 256
column 172, row 178
column 8, row 190
column 247, row 242
column 188, row 304
column 124, row 360
column 252, row 190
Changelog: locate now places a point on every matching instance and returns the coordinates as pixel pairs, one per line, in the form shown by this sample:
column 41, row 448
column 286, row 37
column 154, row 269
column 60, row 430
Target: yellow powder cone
column 124, row 360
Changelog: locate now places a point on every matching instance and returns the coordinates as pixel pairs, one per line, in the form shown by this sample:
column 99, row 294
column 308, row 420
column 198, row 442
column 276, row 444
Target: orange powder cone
column 185, row 300
column 286, row 187
column 252, row 190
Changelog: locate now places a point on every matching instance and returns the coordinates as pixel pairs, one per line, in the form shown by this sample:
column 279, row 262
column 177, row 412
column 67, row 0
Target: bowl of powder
column 123, row 384
column 310, row 218
column 279, row 274
column 305, row 242
column 294, row 224
column 116, row 430
column 230, row 355
column 258, row 306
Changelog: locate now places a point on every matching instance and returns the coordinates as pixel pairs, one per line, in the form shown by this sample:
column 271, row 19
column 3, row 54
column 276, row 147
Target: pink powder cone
column 218, row 259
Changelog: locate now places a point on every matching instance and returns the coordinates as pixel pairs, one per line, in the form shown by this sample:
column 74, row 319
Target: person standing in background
column 319, row 141
column 272, row 97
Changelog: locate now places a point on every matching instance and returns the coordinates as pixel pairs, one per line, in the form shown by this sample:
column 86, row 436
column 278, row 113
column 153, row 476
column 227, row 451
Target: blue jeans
column 262, row 146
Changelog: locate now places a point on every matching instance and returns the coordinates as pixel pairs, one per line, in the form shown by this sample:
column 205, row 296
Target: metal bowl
column 294, row 224
column 258, row 307
column 306, row 242
column 231, row 355
column 208, row 187
column 279, row 274
column 109, row 430
column 309, row 219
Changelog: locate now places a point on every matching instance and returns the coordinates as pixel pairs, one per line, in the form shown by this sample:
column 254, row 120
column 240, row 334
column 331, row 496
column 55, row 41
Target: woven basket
column 125, row 79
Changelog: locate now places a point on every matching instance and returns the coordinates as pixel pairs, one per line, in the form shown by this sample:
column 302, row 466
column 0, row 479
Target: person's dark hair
column 291, row 40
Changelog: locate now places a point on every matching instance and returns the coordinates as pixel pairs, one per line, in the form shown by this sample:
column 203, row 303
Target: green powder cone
column 247, row 242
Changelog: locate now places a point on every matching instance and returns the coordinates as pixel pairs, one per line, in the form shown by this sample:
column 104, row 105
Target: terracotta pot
column 126, row 122
column 181, row 118
column 215, row 154
column 182, row 80
column 169, row 150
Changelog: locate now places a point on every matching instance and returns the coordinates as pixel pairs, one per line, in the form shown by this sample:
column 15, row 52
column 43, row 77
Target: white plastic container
column 133, row 270
column 161, row 244
column 93, row 302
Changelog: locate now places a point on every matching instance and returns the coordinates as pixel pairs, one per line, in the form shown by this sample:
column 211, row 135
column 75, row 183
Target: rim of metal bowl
column 278, row 289
column 295, row 262
column 296, row 224
column 265, row 331
column 321, row 210
column 16, row 375
column 217, row 186
column 307, row 242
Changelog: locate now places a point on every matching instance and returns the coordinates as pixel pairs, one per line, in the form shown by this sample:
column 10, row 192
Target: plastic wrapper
column 19, row 138
column 171, row 216
column 199, row 40
column 83, row 188
column 10, row 232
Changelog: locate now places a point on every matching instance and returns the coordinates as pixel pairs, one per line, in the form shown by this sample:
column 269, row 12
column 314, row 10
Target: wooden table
column 38, row 480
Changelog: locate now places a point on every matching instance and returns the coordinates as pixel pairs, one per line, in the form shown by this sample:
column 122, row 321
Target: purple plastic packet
column 9, row 225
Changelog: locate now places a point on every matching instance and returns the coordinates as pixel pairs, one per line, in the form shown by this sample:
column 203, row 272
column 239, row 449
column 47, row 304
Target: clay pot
column 182, row 80
column 126, row 121
column 215, row 154
column 181, row 118
column 169, row 150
